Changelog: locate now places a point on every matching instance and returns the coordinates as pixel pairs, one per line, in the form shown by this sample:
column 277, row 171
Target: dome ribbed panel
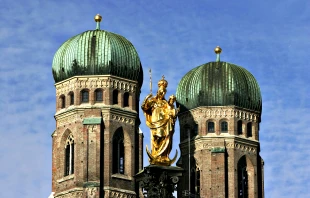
column 61, row 61
column 218, row 84
column 97, row 52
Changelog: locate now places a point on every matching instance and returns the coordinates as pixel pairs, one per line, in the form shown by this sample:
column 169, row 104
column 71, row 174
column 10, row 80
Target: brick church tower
column 219, row 139
column 96, row 144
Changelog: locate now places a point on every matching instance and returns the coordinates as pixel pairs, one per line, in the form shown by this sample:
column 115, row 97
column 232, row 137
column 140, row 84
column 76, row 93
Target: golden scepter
column 150, row 72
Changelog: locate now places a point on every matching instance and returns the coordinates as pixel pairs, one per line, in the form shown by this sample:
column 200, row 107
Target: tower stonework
column 219, row 132
column 97, row 142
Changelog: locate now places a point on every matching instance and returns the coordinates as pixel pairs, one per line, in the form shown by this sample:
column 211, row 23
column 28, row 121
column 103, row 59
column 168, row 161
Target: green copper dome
column 97, row 52
column 219, row 84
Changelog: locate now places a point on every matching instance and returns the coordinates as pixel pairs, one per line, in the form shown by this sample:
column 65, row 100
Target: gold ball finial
column 98, row 18
column 218, row 50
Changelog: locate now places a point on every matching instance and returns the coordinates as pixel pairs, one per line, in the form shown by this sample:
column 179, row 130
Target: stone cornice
column 220, row 112
column 119, row 115
column 235, row 142
column 109, row 188
column 69, row 116
column 77, row 191
column 109, row 112
column 69, row 177
column 121, row 176
column 93, row 81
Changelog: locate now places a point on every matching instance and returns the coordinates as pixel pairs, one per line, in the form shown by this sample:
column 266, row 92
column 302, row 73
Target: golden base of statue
column 161, row 160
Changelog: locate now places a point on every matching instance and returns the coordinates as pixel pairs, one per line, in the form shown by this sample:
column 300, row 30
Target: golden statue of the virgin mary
column 160, row 117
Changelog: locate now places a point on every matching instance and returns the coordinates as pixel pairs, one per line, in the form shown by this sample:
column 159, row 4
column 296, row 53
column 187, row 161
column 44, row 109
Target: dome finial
column 218, row 51
column 98, row 18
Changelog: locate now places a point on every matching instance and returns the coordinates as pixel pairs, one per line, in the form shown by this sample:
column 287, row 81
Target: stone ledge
column 109, row 188
column 65, row 178
column 121, row 176
column 91, row 184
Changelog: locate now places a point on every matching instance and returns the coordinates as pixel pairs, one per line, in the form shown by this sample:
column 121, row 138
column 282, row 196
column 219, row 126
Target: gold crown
column 162, row 82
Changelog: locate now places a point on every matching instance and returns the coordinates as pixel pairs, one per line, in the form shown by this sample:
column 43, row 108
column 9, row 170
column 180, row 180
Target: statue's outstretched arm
column 146, row 104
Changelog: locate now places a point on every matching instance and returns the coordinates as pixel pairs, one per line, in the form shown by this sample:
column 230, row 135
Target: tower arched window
column 118, row 152
column 239, row 127
column 84, row 96
column 249, row 129
column 242, row 178
column 126, row 99
column 71, row 95
column 99, row 95
column 115, row 96
column 224, row 126
column 69, row 155
column 211, row 127
column 62, row 101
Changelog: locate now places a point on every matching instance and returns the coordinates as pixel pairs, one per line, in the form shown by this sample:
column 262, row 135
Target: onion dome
column 219, row 84
column 97, row 52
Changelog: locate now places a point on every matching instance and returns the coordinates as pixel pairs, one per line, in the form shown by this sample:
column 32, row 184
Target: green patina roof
column 97, row 52
column 219, row 84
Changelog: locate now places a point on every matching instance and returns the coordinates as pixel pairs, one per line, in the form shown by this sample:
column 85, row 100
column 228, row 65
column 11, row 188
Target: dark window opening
column 63, row 102
column 126, row 99
column 72, row 158
column 197, row 189
column 224, row 126
column 67, row 160
column 118, row 152
column 195, row 129
column 85, row 96
column 249, row 129
column 242, row 178
column 239, row 127
column 195, row 182
column 72, row 99
column 186, row 132
column 115, row 97
column 99, row 95
column 211, row 127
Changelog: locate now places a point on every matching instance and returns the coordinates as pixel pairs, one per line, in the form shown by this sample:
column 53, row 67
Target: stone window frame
column 69, row 156
column 96, row 92
column 221, row 126
column 84, row 91
column 208, row 129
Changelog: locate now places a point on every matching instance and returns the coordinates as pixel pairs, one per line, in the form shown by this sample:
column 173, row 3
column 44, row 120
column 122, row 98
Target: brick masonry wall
column 93, row 142
column 218, row 171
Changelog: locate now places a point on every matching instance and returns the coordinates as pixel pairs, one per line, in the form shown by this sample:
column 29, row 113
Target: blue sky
column 268, row 38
